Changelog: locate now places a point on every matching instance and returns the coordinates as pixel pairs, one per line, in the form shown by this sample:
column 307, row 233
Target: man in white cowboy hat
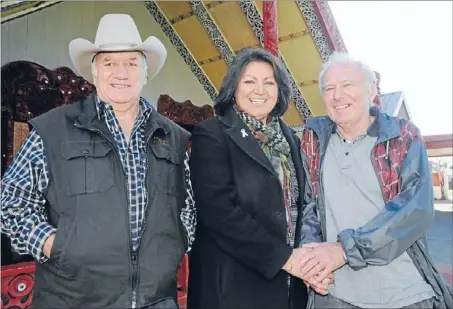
column 100, row 191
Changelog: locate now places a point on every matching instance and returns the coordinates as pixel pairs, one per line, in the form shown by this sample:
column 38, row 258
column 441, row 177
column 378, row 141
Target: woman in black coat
column 248, row 182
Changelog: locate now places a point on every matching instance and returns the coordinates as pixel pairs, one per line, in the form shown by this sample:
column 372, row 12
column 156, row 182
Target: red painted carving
column 17, row 285
column 329, row 25
column 270, row 26
column 377, row 99
column 185, row 114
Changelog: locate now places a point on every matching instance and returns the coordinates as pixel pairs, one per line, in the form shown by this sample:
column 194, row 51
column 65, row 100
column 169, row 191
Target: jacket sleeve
column 233, row 229
column 403, row 220
column 310, row 227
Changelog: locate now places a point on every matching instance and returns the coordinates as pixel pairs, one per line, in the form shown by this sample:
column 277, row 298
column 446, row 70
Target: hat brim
column 82, row 52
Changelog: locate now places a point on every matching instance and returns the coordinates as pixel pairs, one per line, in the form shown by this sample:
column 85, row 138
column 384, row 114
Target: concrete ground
column 440, row 239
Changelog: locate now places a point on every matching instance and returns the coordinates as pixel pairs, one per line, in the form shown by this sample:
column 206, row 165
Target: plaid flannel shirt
column 25, row 183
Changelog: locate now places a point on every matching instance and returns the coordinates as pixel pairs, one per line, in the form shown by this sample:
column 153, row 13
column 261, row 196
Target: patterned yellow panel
column 292, row 116
column 234, row 25
column 196, row 39
column 173, row 9
column 216, row 71
column 303, row 58
column 313, row 97
column 289, row 18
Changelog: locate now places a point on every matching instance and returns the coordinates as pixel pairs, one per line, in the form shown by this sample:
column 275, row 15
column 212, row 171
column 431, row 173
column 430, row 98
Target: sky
column 410, row 45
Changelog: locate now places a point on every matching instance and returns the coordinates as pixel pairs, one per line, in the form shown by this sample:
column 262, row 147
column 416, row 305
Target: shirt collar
column 101, row 107
column 372, row 131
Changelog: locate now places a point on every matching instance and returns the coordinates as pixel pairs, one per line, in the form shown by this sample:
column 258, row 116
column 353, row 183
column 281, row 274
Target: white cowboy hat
column 116, row 32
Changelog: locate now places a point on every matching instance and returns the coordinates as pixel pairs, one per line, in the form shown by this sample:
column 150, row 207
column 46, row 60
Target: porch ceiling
column 214, row 31
column 11, row 9
column 207, row 35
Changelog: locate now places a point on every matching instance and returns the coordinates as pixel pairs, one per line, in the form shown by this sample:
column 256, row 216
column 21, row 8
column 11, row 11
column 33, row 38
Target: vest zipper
column 134, row 265
column 135, row 254
column 134, row 278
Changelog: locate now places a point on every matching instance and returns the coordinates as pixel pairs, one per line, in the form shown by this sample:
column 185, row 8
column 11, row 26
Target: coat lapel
column 246, row 142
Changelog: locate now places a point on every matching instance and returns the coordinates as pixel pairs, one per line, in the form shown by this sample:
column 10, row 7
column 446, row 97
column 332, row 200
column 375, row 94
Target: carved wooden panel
column 20, row 134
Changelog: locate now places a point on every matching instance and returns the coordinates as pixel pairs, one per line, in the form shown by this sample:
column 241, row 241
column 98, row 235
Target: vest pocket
column 167, row 169
column 65, row 230
column 88, row 167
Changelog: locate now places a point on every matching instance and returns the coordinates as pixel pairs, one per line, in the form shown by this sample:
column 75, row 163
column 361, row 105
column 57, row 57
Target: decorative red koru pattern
column 270, row 26
column 17, row 285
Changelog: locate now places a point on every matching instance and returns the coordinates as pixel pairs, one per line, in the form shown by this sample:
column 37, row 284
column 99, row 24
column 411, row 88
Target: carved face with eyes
column 119, row 77
column 257, row 90
column 346, row 94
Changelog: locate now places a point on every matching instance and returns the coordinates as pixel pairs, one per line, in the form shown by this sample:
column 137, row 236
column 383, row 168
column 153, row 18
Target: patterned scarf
column 277, row 150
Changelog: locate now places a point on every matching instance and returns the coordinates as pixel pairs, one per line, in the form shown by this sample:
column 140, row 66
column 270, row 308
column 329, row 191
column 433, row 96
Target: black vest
column 91, row 263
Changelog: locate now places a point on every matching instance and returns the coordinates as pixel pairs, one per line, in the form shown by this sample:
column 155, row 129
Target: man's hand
column 48, row 245
column 320, row 288
column 321, row 260
column 294, row 266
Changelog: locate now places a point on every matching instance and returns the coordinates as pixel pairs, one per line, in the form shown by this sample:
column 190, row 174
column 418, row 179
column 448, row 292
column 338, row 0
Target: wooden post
column 270, row 26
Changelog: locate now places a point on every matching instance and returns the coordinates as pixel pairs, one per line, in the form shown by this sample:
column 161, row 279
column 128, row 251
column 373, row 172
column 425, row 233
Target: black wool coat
column 240, row 245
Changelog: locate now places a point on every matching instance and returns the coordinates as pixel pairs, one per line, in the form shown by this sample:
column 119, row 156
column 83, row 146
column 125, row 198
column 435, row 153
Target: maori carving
column 377, row 99
column 329, row 25
column 29, row 90
column 270, row 27
column 17, row 286
column 202, row 12
column 185, row 114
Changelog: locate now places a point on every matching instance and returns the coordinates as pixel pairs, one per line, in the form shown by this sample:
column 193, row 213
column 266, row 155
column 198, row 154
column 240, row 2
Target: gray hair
column 143, row 68
column 340, row 57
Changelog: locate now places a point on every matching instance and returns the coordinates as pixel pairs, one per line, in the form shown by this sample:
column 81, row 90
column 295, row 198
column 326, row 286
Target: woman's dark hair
column 225, row 99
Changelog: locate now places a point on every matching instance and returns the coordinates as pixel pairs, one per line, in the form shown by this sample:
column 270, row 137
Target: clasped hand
column 315, row 263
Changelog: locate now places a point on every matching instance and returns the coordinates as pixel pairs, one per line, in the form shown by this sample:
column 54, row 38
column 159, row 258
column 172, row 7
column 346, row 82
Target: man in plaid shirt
column 64, row 193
